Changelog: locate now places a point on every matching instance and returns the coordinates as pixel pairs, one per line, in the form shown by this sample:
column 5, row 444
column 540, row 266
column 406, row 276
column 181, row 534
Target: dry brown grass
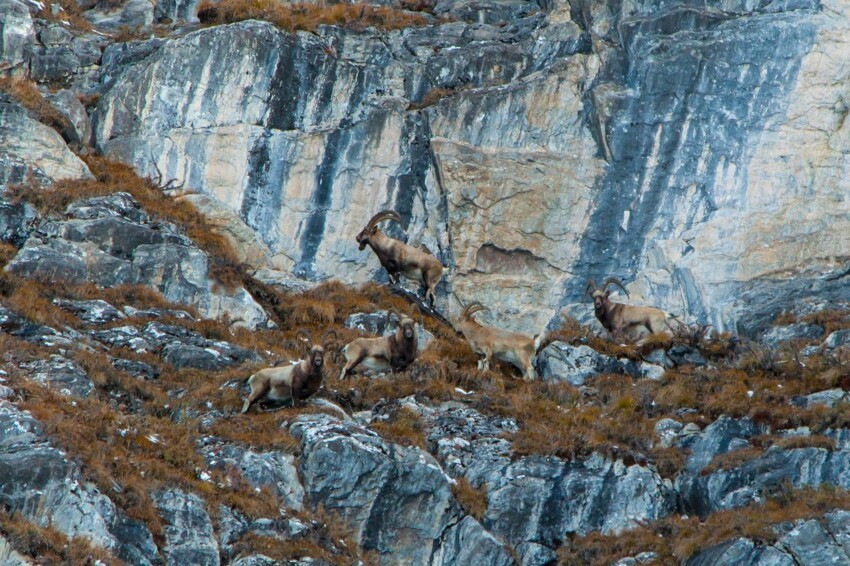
column 49, row 546
column 472, row 500
column 830, row 319
column 307, row 16
column 70, row 13
column 403, row 427
column 27, row 95
column 675, row 539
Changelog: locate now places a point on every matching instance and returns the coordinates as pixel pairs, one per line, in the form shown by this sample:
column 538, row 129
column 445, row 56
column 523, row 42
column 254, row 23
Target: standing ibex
column 394, row 352
column 617, row 317
column 294, row 382
column 511, row 347
column 400, row 259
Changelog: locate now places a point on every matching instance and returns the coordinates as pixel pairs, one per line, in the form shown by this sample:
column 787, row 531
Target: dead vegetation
column 675, row 539
column 27, row 95
column 307, row 16
column 49, row 546
column 133, row 437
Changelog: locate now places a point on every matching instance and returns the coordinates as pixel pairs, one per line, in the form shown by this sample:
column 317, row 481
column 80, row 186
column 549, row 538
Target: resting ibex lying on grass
column 618, row 318
column 400, row 259
column 511, row 347
column 394, row 352
column 295, row 382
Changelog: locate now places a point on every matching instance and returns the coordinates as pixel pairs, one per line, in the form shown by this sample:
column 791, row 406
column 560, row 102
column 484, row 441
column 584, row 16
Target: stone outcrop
column 401, row 506
column 29, row 149
column 110, row 241
column 44, row 487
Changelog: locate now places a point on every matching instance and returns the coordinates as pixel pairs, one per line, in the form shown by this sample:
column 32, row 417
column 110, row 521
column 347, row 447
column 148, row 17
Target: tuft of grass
column 403, row 427
column 48, row 546
column 308, row 17
column 27, row 95
column 472, row 500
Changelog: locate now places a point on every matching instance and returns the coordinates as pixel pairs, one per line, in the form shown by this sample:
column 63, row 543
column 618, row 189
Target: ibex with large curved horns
column 394, row 352
column 295, row 382
column 399, row 258
column 617, row 317
column 511, row 347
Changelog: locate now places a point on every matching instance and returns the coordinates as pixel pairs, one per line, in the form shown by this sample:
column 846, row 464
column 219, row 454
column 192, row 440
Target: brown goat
column 618, row 318
column 295, row 382
column 394, row 352
column 399, row 258
column 511, row 347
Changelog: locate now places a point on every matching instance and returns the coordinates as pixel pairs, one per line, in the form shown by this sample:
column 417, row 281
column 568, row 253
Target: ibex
column 618, row 318
column 400, row 259
column 295, row 382
column 511, row 347
column 393, row 353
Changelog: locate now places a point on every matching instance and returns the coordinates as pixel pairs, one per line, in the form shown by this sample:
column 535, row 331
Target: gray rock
column 381, row 323
column 722, row 436
column 29, row 148
column 54, row 35
column 19, row 327
column 44, row 487
column 468, row 543
column 132, row 14
column 110, row 241
column 401, row 506
column 667, row 431
column 17, row 220
column 798, row 331
column 533, row 554
column 60, row 374
column 135, row 368
column 16, row 33
column 53, row 63
column 809, row 543
column 837, row 339
column 575, row 364
column 273, row 470
column 686, row 355
column 740, row 551
column 79, row 128
column 761, row 476
column 93, row 311
column 827, row 398
column 10, row 556
column 189, row 536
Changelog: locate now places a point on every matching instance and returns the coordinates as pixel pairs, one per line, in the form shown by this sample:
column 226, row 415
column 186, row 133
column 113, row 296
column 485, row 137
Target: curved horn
column 614, row 281
column 383, row 215
column 398, row 315
column 473, row 308
column 328, row 333
column 591, row 286
column 301, row 333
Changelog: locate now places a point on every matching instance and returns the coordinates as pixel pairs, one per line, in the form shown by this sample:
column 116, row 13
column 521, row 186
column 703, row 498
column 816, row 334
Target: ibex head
column 405, row 323
column 372, row 226
column 600, row 294
column 317, row 351
column 471, row 309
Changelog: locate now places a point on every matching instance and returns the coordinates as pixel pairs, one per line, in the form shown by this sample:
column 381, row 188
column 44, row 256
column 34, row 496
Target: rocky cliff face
column 693, row 149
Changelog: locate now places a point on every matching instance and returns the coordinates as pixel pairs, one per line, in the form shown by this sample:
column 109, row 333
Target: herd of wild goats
column 395, row 352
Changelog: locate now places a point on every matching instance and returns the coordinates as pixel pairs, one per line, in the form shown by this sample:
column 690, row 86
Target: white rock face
column 28, row 144
column 16, row 33
column 697, row 155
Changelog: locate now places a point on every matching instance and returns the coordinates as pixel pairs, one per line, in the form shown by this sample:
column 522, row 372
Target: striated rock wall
column 694, row 151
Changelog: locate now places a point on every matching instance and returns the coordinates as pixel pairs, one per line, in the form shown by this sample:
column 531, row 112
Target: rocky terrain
column 181, row 186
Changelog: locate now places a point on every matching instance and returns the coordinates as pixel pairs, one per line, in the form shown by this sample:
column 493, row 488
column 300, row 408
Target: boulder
column 189, row 535
column 401, row 506
column 575, row 364
column 61, row 374
column 28, row 144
